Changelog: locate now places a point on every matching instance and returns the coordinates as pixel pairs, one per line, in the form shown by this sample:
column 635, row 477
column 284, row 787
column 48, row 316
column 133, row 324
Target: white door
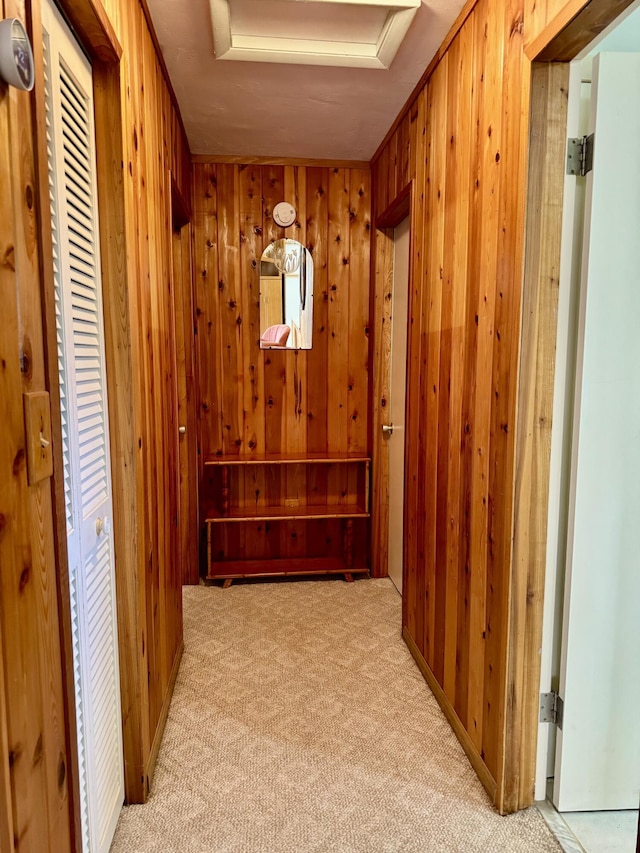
column 598, row 746
column 397, row 398
column 87, row 481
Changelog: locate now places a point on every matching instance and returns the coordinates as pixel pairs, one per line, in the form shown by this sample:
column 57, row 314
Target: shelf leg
column 348, row 577
column 227, row 583
column 348, row 543
column 225, row 490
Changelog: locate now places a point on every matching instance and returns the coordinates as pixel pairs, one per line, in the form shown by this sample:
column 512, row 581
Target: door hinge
column 551, row 709
column 580, row 155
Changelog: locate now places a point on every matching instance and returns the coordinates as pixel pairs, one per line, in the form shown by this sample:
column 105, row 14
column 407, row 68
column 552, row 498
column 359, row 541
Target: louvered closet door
column 81, row 363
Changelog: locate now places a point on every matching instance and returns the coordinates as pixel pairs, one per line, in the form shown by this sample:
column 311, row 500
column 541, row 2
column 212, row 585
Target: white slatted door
column 81, row 363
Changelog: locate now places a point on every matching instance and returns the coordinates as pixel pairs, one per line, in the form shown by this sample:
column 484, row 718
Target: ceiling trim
column 299, row 51
column 247, row 160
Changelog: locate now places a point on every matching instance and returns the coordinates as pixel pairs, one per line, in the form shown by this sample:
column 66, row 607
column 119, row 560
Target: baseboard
column 162, row 721
column 454, row 720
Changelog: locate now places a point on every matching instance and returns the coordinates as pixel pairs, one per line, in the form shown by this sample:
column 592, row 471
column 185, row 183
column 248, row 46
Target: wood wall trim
column 573, row 28
column 398, row 209
column 549, row 90
column 120, row 349
column 92, row 25
column 382, row 255
column 460, row 732
column 163, row 66
column 251, row 160
column 457, row 25
column 29, row 610
column 10, row 390
column 162, row 721
column 382, row 300
column 53, row 386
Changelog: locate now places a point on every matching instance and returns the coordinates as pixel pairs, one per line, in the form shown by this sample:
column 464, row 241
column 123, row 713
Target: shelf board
column 288, row 459
column 282, row 567
column 286, row 513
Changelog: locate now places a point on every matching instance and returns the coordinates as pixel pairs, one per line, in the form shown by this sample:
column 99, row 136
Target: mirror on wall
column 286, row 296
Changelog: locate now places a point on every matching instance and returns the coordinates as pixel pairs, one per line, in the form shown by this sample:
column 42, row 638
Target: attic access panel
column 353, row 33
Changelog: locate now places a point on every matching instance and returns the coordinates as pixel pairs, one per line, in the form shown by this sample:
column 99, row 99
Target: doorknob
column 99, row 526
column 387, row 429
column 182, row 430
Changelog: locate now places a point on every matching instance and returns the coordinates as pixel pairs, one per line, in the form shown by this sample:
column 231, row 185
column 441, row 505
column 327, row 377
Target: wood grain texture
column 558, row 30
column 467, row 152
column 140, row 142
column 382, row 298
column 23, row 787
column 549, row 87
column 185, row 371
column 248, row 160
column 94, row 28
column 255, row 402
column 52, row 381
column 36, row 731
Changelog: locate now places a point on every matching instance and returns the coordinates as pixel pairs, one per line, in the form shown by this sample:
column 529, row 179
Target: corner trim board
column 461, row 733
column 162, row 721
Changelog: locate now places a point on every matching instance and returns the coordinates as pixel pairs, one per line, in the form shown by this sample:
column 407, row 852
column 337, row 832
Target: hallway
column 300, row 723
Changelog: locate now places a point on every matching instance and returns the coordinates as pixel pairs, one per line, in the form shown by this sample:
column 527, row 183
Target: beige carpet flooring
column 300, row 724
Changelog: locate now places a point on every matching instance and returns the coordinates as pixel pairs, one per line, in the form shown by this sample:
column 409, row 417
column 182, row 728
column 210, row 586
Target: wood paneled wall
column 154, row 150
column 257, row 401
column 473, row 610
column 35, row 748
column 140, row 147
column 462, row 144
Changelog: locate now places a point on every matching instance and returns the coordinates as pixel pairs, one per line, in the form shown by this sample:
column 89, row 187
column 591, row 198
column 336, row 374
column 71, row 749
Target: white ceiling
column 271, row 109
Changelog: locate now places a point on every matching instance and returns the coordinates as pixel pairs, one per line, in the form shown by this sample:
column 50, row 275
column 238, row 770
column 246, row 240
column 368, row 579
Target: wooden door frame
column 184, row 317
column 93, row 28
column 550, row 54
column 381, row 307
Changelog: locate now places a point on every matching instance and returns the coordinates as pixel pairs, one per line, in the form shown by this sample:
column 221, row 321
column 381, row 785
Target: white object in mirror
column 286, row 296
column 284, row 214
column 16, row 57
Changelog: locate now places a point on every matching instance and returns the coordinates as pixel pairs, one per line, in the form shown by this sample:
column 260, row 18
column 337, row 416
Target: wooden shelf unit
column 286, row 488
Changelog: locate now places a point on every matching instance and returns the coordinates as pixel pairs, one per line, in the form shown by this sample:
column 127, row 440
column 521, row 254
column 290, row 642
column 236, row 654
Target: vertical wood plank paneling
column 207, row 296
column 490, row 129
column 307, row 401
column 359, row 266
column 439, row 349
column 151, row 156
column 321, row 413
column 338, row 250
column 382, row 272
column 513, row 153
column 459, row 178
column 549, row 87
column 317, row 243
column 468, row 160
column 147, row 566
column 30, row 588
column 250, row 212
column 411, row 599
column 25, row 783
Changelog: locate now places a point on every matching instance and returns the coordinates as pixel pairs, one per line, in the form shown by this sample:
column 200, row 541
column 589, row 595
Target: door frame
column 95, row 33
column 185, row 369
column 382, row 302
column 549, row 54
